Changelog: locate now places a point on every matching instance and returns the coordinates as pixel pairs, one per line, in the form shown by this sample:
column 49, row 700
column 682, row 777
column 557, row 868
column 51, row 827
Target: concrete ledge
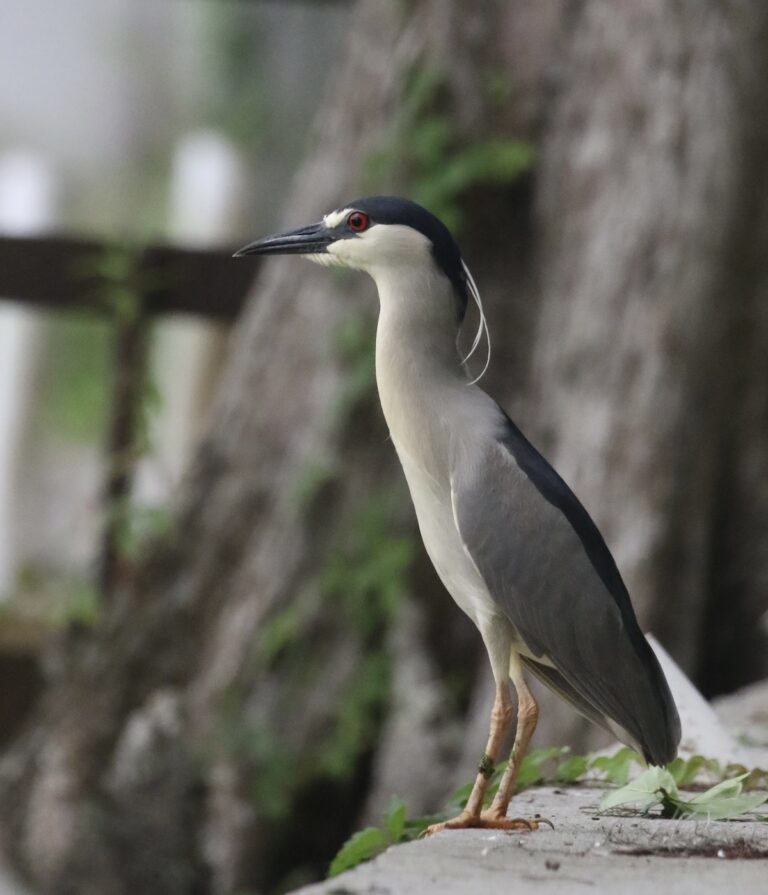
column 586, row 852
column 583, row 853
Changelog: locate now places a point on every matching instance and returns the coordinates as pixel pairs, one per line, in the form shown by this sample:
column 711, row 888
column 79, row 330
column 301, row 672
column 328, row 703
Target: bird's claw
column 487, row 821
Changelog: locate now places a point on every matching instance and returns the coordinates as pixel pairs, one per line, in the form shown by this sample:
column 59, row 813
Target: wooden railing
column 64, row 273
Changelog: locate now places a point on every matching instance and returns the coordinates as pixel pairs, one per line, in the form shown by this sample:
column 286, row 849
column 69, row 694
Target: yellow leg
column 501, row 718
column 527, row 718
column 495, row 817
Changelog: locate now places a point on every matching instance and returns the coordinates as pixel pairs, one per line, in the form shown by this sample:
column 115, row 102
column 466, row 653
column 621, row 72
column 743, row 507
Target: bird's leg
column 527, row 717
column 495, row 817
column 501, row 718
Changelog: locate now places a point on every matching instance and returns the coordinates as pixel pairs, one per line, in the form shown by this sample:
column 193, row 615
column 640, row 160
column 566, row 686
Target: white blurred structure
column 208, row 181
column 133, row 77
column 207, row 188
column 27, row 206
column 703, row 732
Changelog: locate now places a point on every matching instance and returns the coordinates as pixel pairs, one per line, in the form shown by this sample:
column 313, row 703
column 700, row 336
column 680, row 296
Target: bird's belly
column 434, row 512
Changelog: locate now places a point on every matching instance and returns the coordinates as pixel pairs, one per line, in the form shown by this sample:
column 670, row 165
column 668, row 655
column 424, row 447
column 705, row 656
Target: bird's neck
column 417, row 361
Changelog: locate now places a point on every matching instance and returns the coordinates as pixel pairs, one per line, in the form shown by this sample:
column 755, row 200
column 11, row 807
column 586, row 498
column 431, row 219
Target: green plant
column 358, row 718
column 43, row 600
column 657, row 786
column 354, row 595
column 311, row 479
column 556, row 765
column 397, row 827
column 134, row 525
column 79, row 604
column 119, row 282
column 616, row 768
column 367, row 843
column 74, row 397
column 367, row 576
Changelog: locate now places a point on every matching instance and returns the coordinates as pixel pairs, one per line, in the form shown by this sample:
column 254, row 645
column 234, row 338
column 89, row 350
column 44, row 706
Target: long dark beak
column 306, row 241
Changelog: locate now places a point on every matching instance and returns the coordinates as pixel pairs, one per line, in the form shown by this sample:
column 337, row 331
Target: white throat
column 416, row 352
column 417, row 325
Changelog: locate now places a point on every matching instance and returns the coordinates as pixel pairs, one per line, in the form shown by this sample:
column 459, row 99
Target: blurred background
column 222, row 648
column 132, row 123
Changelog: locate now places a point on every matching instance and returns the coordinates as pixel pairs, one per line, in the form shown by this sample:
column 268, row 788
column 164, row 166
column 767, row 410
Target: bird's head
column 388, row 238
column 378, row 235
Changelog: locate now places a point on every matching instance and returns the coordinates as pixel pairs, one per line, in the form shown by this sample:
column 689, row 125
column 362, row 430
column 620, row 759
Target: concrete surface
column 626, row 855
column 584, row 853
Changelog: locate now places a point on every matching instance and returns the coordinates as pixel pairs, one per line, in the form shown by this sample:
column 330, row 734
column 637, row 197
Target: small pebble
column 552, row 865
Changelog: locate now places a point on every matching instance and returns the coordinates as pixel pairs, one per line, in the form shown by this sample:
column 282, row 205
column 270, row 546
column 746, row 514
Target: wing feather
column 549, row 569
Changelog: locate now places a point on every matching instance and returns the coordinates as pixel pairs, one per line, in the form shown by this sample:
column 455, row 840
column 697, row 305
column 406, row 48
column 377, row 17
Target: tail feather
column 656, row 739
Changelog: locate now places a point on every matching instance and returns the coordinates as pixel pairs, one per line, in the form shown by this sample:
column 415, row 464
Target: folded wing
column 548, row 568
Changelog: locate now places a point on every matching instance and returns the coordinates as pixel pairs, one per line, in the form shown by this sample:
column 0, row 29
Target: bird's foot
column 488, row 820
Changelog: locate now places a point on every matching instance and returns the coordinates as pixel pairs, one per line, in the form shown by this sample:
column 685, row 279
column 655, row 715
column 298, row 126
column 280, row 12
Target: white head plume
column 482, row 327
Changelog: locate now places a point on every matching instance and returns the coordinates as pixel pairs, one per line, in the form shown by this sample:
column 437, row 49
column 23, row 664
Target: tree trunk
column 286, row 658
column 651, row 349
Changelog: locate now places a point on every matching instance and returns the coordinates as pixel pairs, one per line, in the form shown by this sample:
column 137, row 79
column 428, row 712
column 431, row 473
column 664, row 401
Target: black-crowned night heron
column 510, row 541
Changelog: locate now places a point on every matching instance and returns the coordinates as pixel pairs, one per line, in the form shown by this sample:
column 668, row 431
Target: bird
column 508, row 538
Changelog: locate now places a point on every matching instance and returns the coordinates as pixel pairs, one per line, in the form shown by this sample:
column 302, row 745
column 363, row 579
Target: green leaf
column 726, row 788
column 395, row 819
column 657, row 785
column 460, row 796
column 572, row 769
column 726, row 806
column 615, row 768
column 724, row 800
column 531, row 771
column 756, row 778
column 643, row 791
column 685, row 772
column 361, row 846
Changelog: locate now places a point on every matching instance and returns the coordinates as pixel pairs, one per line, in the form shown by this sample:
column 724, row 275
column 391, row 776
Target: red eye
column 357, row 221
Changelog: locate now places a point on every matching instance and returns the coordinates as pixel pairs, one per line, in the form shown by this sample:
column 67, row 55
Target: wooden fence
column 131, row 287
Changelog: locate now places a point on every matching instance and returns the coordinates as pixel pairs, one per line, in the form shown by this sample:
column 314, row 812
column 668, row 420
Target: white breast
column 434, row 512
column 422, row 390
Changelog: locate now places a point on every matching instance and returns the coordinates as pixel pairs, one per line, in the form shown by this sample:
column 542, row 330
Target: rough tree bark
column 266, row 675
column 652, row 345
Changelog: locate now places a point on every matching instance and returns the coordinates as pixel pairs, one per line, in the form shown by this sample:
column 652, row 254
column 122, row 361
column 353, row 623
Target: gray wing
column 547, row 566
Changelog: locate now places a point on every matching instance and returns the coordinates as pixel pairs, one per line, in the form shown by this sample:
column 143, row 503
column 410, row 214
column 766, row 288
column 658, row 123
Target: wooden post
column 64, row 272
column 129, row 373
